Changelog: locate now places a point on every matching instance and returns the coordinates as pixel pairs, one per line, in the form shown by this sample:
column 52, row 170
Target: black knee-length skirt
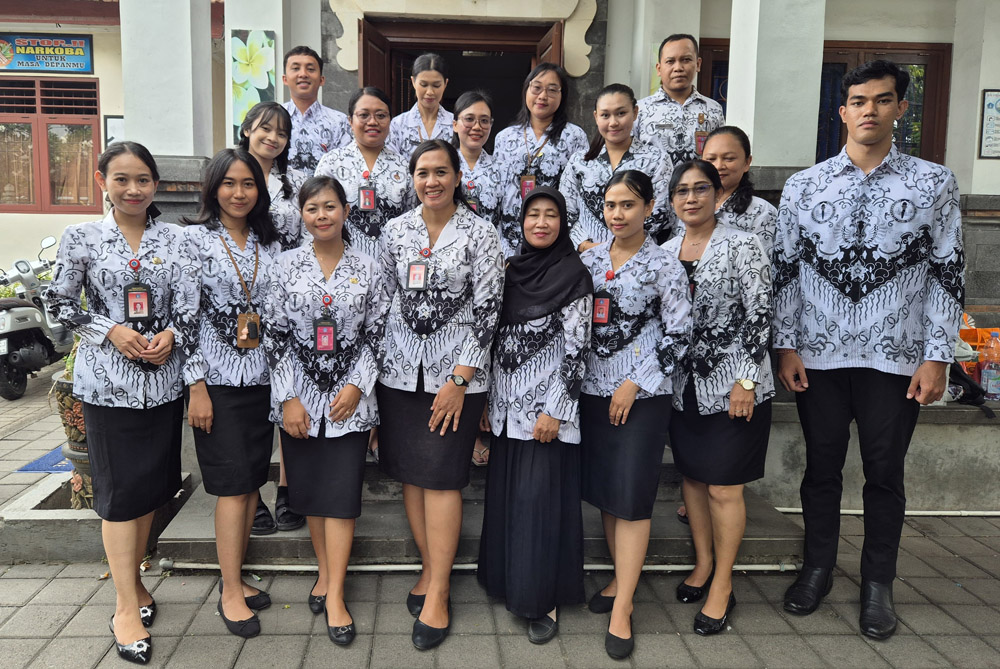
column 621, row 465
column 135, row 457
column 325, row 474
column 235, row 456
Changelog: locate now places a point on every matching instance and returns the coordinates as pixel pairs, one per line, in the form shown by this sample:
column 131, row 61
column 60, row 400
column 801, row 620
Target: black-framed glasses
column 470, row 121
column 364, row 116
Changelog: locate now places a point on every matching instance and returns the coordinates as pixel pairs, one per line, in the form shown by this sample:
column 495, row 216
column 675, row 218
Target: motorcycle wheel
column 13, row 381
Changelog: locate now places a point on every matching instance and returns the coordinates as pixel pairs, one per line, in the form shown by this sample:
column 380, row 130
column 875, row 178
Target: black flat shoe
column 689, row 594
column 600, row 603
column 137, row 652
column 257, row 602
column 245, row 628
column 878, row 616
column 542, row 630
column 426, row 637
column 415, row 604
column 147, row 614
column 317, row 603
column 287, row 519
column 342, row 635
column 810, row 587
column 706, row 626
column 617, row 647
column 263, row 521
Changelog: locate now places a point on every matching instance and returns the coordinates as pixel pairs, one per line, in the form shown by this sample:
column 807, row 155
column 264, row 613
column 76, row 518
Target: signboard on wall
column 46, row 52
column 989, row 129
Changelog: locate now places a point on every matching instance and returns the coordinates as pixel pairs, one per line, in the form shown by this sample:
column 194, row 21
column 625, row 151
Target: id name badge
column 473, row 204
column 366, row 198
column 138, row 302
column 527, row 184
column 325, row 336
column 416, row 275
column 251, row 323
column 700, row 137
column 602, row 308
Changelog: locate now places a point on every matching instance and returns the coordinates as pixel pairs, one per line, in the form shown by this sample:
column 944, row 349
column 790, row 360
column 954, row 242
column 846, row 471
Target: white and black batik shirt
column 453, row 321
column 294, row 303
column 514, row 148
column 314, row 133
column 538, row 369
column 393, row 191
column 649, row 323
column 212, row 354
column 285, row 211
column 406, row 130
column 583, row 183
column 731, row 320
column 760, row 218
column 672, row 126
column 93, row 257
column 869, row 269
column 485, row 185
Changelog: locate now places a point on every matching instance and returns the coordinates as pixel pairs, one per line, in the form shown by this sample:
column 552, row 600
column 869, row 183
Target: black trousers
column 886, row 419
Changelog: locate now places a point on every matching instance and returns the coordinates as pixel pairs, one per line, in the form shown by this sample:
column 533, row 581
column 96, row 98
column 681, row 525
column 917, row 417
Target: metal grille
column 77, row 98
column 18, row 96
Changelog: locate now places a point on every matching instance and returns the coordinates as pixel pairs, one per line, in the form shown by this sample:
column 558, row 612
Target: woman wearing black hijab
column 531, row 551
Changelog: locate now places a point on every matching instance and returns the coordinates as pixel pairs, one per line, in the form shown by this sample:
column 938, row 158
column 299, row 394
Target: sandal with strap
column 481, row 456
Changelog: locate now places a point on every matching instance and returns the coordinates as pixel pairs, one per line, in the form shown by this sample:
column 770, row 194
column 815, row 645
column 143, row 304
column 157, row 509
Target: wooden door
column 550, row 47
column 374, row 57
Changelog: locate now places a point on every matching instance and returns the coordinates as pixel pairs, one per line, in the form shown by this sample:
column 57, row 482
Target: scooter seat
column 14, row 303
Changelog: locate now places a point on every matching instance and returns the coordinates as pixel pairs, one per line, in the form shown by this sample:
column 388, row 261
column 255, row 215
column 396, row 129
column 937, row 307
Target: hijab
column 539, row 282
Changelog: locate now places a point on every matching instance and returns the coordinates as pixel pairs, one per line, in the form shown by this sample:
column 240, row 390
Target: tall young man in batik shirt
column 315, row 129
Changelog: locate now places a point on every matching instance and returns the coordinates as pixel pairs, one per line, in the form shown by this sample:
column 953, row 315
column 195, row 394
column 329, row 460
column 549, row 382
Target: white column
column 975, row 62
column 775, row 63
column 643, row 24
column 167, row 75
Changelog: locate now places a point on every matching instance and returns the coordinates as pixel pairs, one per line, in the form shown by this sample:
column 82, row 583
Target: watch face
column 459, row 380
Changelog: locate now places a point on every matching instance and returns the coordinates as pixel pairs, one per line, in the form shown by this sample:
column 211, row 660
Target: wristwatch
column 458, row 380
column 746, row 384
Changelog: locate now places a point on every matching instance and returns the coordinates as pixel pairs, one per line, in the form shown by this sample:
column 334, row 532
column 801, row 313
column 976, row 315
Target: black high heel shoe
column 147, row 614
column 317, row 603
column 137, row 652
column 618, row 648
column 705, row 626
column 342, row 635
column 425, row 637
column 257, row 602
column 689, row 594
column 415, row 604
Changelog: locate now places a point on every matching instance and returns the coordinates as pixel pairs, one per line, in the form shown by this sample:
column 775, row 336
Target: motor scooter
column 30, row 339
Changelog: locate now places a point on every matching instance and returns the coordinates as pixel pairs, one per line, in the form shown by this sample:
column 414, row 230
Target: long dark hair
column 140, row 152
column 264, row 112
column 561, row 117
column 466, row 100
column 258, row 219
column 440, row 145
column 743, row 195
column 597, row 143
column 636, row 181
column 703, row 166
column 314, row 185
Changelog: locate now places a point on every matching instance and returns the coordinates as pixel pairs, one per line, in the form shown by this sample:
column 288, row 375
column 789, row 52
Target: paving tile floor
column 947, row 593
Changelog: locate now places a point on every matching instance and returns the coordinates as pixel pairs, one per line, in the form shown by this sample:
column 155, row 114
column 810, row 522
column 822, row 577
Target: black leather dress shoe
column 426, row 637
column 263, row 521
column 415, row 604
column 878, row 617
column 245, row 628
column 257, row 602
column 137, row 652
column 690, row 593
column 542, row 630
column 618, row 648
column 810, row 587
column 601, row 603
column 705, row 626
column 317, row 603
column 287, row 519
column 342, row 635
column 147, row 614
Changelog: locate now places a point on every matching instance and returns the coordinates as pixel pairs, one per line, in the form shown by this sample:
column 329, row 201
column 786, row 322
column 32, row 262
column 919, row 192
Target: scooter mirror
column 48, row 242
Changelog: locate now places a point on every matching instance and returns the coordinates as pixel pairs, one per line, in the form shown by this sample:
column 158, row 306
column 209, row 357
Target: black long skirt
column 531, row 549
column 621, row 465
column 325, row 474
column 235, row 456
column 135, row 457
column 410, row 453
column 717, row 449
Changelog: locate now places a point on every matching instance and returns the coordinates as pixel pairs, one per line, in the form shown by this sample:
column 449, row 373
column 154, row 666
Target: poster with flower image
column 253, row 72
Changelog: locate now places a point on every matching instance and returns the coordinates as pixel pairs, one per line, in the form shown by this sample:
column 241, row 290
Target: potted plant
column 75, row 450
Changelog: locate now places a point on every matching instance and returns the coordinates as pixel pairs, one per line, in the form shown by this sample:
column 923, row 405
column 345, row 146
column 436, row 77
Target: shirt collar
column 894, row 160
column 110, row 229
column 294, row 112
column 694, row 97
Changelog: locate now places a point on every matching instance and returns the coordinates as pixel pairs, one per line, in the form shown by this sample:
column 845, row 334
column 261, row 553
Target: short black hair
column 302, row 51
column 677, row 37
column 876, row 69
column 373, row 91
column 315, row 185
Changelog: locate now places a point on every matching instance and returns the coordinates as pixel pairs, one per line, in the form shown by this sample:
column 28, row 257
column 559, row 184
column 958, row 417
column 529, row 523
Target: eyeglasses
column 699, row 191
column 470, row 121
column 536, row 89
column 364, row 117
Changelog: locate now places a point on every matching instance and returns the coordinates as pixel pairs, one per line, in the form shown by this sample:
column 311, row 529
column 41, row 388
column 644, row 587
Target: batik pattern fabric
column 583, row 183
column 294, row 303
column 407, row 131
column 453, row 321
column 393, row 191
column 315, row 133
column 760, row 218
column 94, row 258
column 869, row 270
column 212, row 354
column 731, row 325
column 285, row 210
column 648, row 321
column 538, row 369
column 481, row 184
column 671, row 125
column 516, row 153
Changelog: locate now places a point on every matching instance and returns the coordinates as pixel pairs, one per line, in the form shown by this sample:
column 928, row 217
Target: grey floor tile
column 929, row 619
column 965, row 651
column 517, row 651
column 361, row 588
column 655, row 651
column 83, row 570
column 67, row 591
column 395, row 587
column 721, row 651
column 90, row 620
column 465, row 589
column 974, row 527
column 324, row 654
column 468, row 652
column 943, row 591
column 18, row 591
column 988, row 563
column 279, row 620
column 392, row 618
column 185, row 589
column 289, row 589
column 845, row 651
column 587, row 651
column 572, row 620
column 173, row 618
column 472, row 618
column 7, row 612
column 206, row 621
column 923, row 547
column 908, row 652
column 201, row 652
column 163, row 648
column 106, row 590
column 753, row 619
column 507, row 623
column 963, row 545
column 37, row 620
column 772, row 586
column 83, row 652
column 824, row 620
column 932, row 526
column 651, row 618
column 392, row 651
column 979, row 619
column 272, row 651
column 911, row 566
column 959, row 567
column 785, row 651
column 986, row 589
column 904, row 593
column 17, row 653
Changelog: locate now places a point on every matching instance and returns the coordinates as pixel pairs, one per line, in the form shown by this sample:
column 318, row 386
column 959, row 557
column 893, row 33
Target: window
column 49, row 138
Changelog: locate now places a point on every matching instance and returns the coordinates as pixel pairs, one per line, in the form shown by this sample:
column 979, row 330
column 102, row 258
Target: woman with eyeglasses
column 534, row 150
column 720, row 429
column 426, row 119
column 373, row 175
column 473, row 123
